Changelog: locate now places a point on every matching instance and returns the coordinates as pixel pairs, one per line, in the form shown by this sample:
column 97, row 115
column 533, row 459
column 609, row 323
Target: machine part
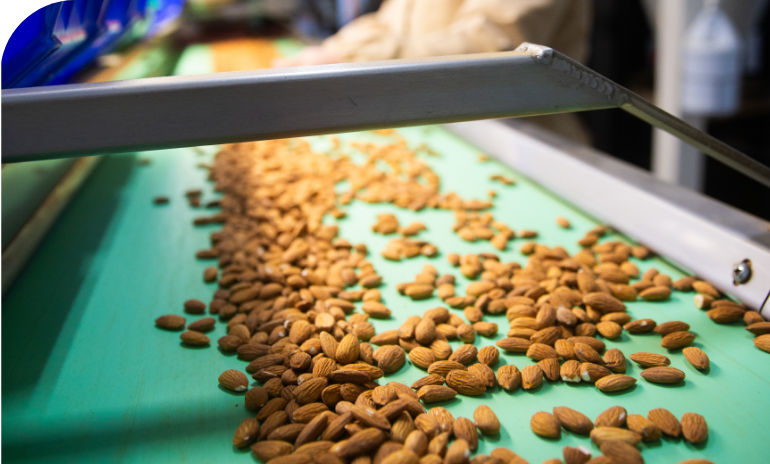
column 698, row 233
column 70, row 120
column 742, row 272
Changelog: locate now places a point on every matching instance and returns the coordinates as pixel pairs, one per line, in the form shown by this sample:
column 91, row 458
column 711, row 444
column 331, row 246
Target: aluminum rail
column 168, row 112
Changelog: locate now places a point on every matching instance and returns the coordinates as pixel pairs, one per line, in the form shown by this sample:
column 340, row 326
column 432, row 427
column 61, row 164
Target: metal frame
column 145, row 114
column 694, row 231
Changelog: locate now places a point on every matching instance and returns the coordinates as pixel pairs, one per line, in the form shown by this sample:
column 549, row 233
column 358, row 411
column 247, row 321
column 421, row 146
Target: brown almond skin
column 545, row 425
column 640, row 326
column 601, row 435
column 509, row 377
column 676, row 340
column 615, row 382
column 613, row 417
column 579, row 455
column 650, row 359
column 696, row 357
column 619, row 451
column 664, row 375
column 267, row 450
column 694, row 427
column 435, row 393
column 194, row 338
column 465, row 383
column 671, row 326
column 573, row 420
column 763, row 342
column 644, row 427
column 615, row 361
column 486, row 420
column 170, row 322
column 666, row 422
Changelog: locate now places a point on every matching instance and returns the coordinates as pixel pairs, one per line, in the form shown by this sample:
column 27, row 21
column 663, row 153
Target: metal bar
column 145, row 114
column 166, row 112
column 696, row 232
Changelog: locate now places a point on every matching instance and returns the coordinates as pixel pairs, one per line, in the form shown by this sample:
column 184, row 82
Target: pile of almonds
column 617, row 444
column 285, row 295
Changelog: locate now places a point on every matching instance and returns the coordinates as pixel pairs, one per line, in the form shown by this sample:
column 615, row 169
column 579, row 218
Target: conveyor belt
column 88, row 378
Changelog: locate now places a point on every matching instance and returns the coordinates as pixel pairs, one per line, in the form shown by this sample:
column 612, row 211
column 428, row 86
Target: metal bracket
column 167, row 112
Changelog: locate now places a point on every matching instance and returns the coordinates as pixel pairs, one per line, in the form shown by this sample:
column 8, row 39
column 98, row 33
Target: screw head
column 742, row 272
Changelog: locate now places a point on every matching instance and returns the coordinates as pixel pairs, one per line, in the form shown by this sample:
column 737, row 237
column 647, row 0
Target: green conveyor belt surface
column 87, row 377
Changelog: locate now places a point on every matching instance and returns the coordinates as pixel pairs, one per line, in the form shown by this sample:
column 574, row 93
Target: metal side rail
column 167, row 112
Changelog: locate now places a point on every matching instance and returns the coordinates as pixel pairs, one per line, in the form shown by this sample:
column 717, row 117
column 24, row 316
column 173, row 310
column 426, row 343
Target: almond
column 539, row 351
column 194, row 338
column 256, row 398
column 676, row 340
column 170, row 322
column 671, row 326
column 665, row 421
column 360, row 443
column 509, row 377
column 313, row 430
column 458, row 453
column 752, row 317
column 390, row 358
column 644, row 427
column 579, row 455
column 609, row 329
column 615, row 382
column 465, row 383
column 550, row 368
column 234, row 380
column 725, row 314
column 545, row 425
column 485, row 329
column 274, row 405
column 419, row 291
column 615, row 361
column 435, row 393
column 759, row 328
column 246, row 433
column 763, row 342
column 702, row 301
column 601, row 435
column 425, row 331
column 443, row 368
column 570, row 371
column 619, row 451
column 267, row 450
column 572, row 420
column 620, row 318
column 531, row 377
column 694, row 427
column 664, row 375
column 477, row 288
column 485, row 374
column 464, row 429
column 376, row 309
column 288, row 432
column 594, row 343
column 640, row 326
column 705, row 288
column 696, row 357
column 202, row 325
column 603, row 302
column 310, row 391
column 590, row 372
column 308, row 412
column 656, row 293
column 650, row 359
column 444, row 417
column 488, row 355
column 565, row 349
column 612, row 417
column 422, row 357
column 486, row 420
column 514, row 345
column 432, row 379
column 587, row 354
column 464, row 354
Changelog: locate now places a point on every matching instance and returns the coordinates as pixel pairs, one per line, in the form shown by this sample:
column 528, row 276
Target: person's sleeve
column 492, row 25
column 373, row 36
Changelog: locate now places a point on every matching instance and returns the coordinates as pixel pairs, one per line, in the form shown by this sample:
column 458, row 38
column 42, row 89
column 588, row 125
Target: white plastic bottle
column 711, row 77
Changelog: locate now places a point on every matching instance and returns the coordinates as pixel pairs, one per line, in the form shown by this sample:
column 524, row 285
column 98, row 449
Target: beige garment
column 420, row 28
